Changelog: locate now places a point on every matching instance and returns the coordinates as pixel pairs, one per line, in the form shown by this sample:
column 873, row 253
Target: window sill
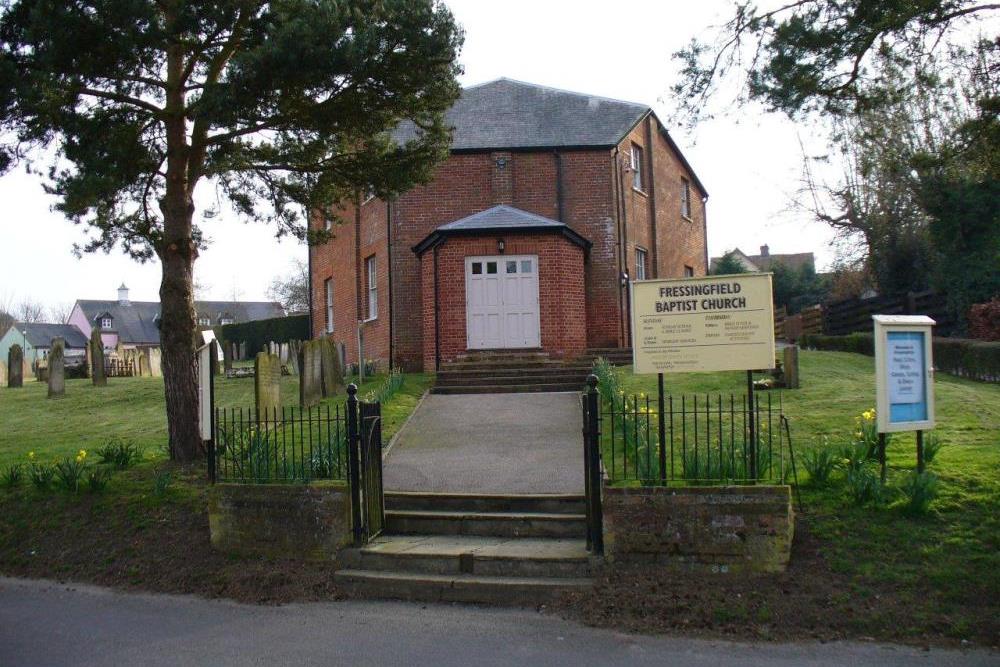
column 641, row 192
column 370, row 319
column 687, row 217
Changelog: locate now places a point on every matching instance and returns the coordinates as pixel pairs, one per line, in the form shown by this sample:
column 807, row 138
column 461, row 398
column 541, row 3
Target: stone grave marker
column 57, row 368
column 293, row 357
column 791, row 366
column 155, row 362
column 333, row 374
column 227, row 356
column 267, row 383
column 15, row 366
column 310, row 374
column 98, row 374
column 143, row 365
column 3, row 372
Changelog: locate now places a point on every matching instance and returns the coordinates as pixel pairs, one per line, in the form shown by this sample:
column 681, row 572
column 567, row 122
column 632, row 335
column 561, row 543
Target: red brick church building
column 526, row 238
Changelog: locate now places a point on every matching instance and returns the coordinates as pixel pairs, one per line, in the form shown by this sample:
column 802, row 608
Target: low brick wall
column 712, row 529
column 311, row 521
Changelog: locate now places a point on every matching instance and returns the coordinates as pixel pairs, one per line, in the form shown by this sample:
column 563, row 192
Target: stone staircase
column 505, row 371
column 517, row 550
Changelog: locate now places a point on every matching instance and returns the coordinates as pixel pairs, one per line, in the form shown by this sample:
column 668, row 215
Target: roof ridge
column 565, row 91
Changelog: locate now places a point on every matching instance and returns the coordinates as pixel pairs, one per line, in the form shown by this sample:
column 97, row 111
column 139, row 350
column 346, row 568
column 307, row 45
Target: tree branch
column 118, row 97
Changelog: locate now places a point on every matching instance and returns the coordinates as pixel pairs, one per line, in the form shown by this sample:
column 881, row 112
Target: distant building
column 765, row 261
column 135, row 324
column 35, row 339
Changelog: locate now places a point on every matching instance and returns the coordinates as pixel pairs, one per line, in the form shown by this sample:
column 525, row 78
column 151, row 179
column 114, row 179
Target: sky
column 749, row 161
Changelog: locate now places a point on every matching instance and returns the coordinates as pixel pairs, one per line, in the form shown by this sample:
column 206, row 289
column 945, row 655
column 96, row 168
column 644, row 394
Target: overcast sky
column 749, row 162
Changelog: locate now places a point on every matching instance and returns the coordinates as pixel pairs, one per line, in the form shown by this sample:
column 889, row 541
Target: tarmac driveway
column 490, row 443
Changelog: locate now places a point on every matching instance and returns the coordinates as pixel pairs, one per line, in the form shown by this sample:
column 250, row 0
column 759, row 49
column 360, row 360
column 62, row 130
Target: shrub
column 932, row 445
column 161, row 483
column 984, row 320
column 919, row 490
column 819, row 463
column 70, row 471
column 13, row 474
column 120, row 453
column 864, row 485
column 97, row 479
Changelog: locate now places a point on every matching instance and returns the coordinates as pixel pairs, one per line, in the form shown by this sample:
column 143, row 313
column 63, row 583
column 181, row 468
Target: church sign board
column 714, row 323
column 904, row 373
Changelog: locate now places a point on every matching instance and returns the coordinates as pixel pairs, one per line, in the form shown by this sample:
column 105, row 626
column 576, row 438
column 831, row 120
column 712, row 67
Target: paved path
column 52, row 625
column 490, row 443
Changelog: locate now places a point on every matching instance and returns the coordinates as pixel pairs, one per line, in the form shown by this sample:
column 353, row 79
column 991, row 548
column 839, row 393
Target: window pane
column 491, row 267
column 511, row 267
column 477, row 268
column 525, row 266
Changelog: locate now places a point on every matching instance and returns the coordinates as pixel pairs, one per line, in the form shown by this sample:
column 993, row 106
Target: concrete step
column 464, row 554
column 499, row 365
column 526, row 377
column 413, row 586
column 495, row 524
column 487, row 355
column 546, row 503
column 507, row 388
column 575, row 371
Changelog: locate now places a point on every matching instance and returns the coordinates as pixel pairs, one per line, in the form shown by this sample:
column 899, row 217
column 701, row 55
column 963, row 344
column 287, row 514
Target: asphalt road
column 51, row 624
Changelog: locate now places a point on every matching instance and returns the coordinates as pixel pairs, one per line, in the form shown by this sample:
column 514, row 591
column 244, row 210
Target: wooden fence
column 854, row 315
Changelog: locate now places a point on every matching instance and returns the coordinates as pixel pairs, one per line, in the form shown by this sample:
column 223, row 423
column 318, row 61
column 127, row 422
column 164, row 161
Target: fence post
column 751, row 408
column 354, row 461
column 661, row 409
column 213, row 368
column 593, row 452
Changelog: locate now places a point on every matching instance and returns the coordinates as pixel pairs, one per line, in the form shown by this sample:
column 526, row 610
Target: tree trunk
column 177, row 340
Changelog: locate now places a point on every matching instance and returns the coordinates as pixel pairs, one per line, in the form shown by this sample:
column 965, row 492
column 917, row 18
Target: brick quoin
column 590, row 190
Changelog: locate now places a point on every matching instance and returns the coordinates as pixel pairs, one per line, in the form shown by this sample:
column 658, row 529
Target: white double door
column 501, row 302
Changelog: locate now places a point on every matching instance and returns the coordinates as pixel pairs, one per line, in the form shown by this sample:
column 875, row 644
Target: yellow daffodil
column 82, row 453
column 31, row 456
column 79, row 459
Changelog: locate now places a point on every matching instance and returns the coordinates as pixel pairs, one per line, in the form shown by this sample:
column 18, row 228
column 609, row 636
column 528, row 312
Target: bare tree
column 291, row 290
column 60, row 312
column 6, row 311
column 29, row 311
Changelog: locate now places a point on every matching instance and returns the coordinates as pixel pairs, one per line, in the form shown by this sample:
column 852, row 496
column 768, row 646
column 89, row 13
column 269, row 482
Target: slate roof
column 500, row 219
column 764, row 263
column 505, row 113
column 40, row 334
column 135, row 320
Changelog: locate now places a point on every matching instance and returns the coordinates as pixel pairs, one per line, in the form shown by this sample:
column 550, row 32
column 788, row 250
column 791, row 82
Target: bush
column 864, row 485
column 120, row 453
column 920, row 489
column 973, row 359
column 819, row 463
column 12, row 475
column 984, row 320
column 258, row 333
column 70, row 471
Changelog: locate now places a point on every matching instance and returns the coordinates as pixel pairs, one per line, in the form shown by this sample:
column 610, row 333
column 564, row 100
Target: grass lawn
column 889, row 575
column 133, row 408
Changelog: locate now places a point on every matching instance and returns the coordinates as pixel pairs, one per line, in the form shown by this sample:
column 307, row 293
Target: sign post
column 715, row 323
column 904, row 378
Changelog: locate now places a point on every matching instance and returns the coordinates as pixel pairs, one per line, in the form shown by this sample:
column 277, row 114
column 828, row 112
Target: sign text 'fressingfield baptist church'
column 717, row 323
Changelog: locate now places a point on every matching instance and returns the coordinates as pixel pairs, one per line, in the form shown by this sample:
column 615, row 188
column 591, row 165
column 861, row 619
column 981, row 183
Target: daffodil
column 79, row 459
column 82, row 453
column 31, row 456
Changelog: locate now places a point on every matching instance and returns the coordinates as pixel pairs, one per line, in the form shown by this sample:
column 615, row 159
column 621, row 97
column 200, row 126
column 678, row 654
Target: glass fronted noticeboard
column 904, row 371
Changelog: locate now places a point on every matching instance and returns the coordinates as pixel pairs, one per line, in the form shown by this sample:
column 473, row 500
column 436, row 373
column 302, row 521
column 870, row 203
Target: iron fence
column 285, row 444
column 700, row 439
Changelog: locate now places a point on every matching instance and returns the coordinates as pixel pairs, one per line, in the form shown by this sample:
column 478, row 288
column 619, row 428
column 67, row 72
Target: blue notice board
column 906, row 374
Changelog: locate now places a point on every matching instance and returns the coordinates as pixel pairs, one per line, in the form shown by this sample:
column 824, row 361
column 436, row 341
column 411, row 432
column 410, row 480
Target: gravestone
column 15, row 366
column 243, row 351
column 97, row 372
column 310, row 374
column 293, row 356
column 143, row 366
column 267, row 383
column 3, row 372
column 791, row 366
column 57, row 369
column 333, row 374
column 155, row 362
column 227, row 356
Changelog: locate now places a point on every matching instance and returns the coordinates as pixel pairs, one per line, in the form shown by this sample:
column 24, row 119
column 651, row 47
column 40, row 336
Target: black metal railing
column 287, row 444
column 695, row 439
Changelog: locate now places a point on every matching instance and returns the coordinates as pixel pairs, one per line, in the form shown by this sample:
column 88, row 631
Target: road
column 51, row 624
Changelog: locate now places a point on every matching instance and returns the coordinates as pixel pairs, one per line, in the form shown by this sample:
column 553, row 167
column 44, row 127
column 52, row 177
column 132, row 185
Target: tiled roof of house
column 40, row 334
column 499, row 219
column 135, row 321
column 793, row 260
column 505, row 113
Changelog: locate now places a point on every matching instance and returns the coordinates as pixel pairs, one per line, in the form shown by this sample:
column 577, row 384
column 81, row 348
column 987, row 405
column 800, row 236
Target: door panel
column 502, row 302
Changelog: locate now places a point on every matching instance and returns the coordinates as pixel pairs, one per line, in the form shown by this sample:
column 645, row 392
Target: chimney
column 765, row 251
column 123, row 295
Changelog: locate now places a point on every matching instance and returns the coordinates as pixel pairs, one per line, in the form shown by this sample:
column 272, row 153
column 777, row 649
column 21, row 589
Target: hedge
column 258, row 333
column 974, row 359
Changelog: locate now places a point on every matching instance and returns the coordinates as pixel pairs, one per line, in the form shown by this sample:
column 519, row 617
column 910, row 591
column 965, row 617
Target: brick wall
column 562, row 308
column 712, row 529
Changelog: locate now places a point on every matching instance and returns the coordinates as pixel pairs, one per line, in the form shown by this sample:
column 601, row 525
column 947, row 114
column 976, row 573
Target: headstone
column 143, row 364
column 310, row 374
column 57, row 369
column 227, row 356
column 97, row 372
column 293, row 357
column 791, row 366
column 3, row 373
column 243, row 351
column 267, row 383
column 333, row 374
column 15, row 366
column 155, row 362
